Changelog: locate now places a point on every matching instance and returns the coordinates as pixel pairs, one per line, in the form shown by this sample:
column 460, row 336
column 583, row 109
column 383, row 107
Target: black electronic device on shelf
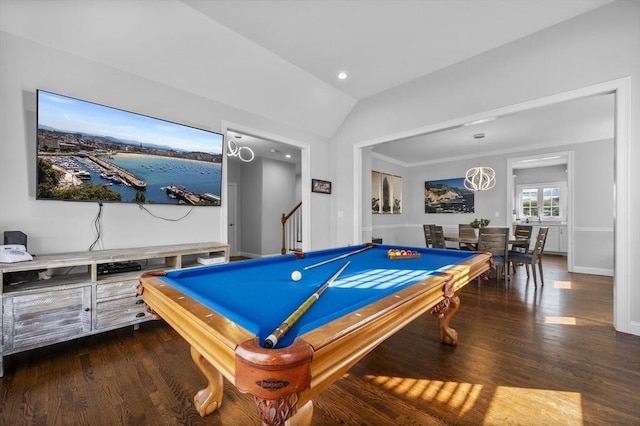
column 118, row 267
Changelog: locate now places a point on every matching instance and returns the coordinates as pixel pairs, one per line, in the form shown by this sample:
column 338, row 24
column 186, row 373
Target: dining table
column 474, row 240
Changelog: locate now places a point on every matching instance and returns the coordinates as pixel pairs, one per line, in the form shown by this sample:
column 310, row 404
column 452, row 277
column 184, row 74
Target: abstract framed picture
column 386, row 193
column 448, row 196
column 321, row 186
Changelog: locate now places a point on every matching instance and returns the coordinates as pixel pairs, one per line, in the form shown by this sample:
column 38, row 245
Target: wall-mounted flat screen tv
column 91, row 152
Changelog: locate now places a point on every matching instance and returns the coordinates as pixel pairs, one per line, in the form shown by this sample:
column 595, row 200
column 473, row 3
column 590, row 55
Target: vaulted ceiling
column 279, row 58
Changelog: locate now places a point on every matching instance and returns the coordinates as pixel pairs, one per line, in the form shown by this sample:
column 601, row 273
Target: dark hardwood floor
column 526, row 356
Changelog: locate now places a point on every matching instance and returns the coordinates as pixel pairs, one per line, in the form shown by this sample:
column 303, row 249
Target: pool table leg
column 447, row 334
column 277, row 412
column 209, row 399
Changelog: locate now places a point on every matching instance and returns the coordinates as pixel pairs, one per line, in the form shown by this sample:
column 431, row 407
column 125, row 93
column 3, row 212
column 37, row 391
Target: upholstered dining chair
column 428, row 239
column 466, row 231
column 535, row 257
column 520, row 232
column 495, row 240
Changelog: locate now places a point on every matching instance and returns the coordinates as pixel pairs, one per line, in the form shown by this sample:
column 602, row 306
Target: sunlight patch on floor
column 504, row 405
column 562, row 285
column 560, row 320
column 461, row 396
column 511, row 405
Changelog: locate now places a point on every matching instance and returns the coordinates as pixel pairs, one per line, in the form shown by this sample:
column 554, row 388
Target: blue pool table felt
column 259, row 294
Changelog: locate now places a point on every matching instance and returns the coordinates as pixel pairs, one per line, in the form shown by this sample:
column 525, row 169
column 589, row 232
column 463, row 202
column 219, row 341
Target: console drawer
column 120, row 312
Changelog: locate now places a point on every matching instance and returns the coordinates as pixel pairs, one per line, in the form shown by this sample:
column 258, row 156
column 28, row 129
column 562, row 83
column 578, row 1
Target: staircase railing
column 292, row 229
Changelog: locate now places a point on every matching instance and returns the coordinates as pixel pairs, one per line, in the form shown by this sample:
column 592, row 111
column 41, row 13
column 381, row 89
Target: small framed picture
column 321, row 186
column 386, row 193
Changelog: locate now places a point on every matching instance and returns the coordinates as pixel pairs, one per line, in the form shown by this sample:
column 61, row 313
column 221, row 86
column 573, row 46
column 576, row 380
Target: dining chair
column 535, row 257
column 467, row 231
column 495, row 240
column 523, row 232
column 437, row 235
column 428, row 239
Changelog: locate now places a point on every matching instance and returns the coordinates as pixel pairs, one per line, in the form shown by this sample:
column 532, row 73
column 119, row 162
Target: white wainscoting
column 594, row 250
column 593, row 245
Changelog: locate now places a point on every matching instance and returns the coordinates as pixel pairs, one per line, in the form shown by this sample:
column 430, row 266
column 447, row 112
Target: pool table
column 225, row 312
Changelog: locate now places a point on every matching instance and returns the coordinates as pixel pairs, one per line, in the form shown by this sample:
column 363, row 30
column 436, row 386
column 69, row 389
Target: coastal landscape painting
column 448, row 196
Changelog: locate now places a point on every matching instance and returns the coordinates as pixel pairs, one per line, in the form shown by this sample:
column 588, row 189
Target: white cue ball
column 296, row 275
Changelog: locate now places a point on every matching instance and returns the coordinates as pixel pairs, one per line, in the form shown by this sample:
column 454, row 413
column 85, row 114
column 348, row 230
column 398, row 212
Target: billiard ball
column 296, row 275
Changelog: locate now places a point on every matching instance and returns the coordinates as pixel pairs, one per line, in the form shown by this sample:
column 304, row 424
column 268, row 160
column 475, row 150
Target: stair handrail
column 284, row 219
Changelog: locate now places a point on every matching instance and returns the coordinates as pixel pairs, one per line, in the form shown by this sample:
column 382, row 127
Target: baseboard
column 593, row 271
column 634, row 328
column 257, row 256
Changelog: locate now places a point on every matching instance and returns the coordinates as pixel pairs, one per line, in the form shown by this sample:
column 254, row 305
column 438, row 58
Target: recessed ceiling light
column 288, row 155
column 342, row 75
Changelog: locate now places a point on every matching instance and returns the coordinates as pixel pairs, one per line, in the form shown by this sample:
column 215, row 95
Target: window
column 551, row 202
column 545, row 201
column 529, row 202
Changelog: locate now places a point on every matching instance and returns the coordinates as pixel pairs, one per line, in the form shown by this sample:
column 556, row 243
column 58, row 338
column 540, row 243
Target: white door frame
column 567, row 158
column 622, row 241
column 305, row 171
column 232, row 219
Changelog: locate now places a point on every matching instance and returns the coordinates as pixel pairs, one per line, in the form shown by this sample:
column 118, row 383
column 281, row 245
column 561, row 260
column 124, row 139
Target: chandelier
column 481, row 178
column 244, row 153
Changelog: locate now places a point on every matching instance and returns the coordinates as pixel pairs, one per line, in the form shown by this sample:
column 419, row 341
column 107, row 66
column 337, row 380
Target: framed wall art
column 321, row 186
column 386, row 193
column 448, row 196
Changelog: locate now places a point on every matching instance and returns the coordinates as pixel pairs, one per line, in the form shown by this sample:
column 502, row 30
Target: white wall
column 390, row 227
column 590, row 49
column 593, row 208
column 251, row 217
column 54, row 226
column 545, row 174
column 593, row 193
column 266, row 190
column 278, row 196
column 594, row 48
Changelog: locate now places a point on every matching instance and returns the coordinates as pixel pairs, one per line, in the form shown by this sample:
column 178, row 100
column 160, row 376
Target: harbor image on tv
column 91, row 152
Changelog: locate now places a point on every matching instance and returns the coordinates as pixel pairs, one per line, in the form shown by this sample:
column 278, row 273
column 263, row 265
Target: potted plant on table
column 479, row 223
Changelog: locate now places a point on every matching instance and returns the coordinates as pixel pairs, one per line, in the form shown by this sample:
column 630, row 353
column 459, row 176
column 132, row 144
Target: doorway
column 272, row 147
column 549, row 159
column 622, row 94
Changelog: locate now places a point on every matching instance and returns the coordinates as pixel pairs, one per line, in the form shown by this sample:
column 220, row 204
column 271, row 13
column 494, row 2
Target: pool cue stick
column 342, row 256
column 277, row 334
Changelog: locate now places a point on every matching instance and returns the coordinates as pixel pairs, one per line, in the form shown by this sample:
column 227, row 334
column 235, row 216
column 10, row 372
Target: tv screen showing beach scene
column 91, row 152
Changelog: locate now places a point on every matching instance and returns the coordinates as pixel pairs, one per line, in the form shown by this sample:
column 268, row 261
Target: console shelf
column 60, row 297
